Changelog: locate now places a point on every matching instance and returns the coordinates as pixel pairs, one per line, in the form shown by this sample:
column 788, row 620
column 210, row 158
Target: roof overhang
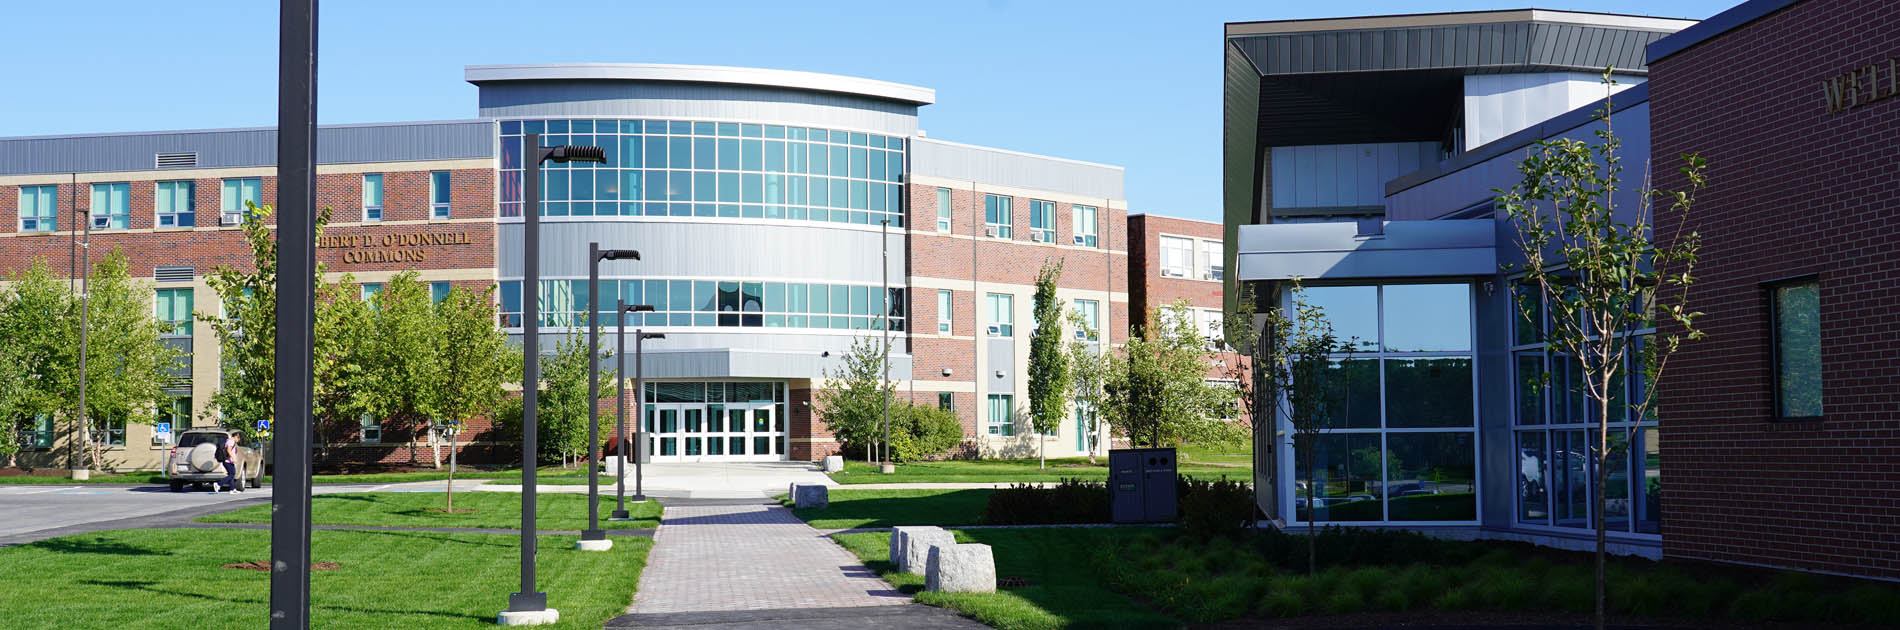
column 1337, row 251
column 659, row 72
column 716, row 363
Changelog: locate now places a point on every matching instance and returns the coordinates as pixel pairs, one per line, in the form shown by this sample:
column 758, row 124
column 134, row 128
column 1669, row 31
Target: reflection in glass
column 1348, row 469
column 1428, row 392
column 1431, row 477
column 1353, row 312
column 1616, row 486
column 1649, row 505
column 1530, row 387
column 1533, row 491
column 1427, row 317
column 1527, row 303
column 1570, row 453
column 1353, row 393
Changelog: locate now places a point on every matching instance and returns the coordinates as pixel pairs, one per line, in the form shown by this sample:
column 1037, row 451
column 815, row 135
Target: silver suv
column 194, row 460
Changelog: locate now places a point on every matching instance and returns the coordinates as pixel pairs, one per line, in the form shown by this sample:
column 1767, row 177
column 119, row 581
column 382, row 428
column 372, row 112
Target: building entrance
column 728, row 422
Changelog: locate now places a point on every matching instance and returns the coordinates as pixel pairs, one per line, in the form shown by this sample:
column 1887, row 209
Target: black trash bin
column 1141, row 485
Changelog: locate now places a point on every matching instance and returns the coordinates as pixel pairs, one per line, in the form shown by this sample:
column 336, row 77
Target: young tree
column 1048, row 365
column 247, row 328
column 852, row 402
column 342, row 385
column 1088, row 370
column 127, row 364
column 36, row 343
column 473, row 359
column 1157, row 393
column 400, row 355
column 1297, row 381
column 1607, row 277
column 562, row 410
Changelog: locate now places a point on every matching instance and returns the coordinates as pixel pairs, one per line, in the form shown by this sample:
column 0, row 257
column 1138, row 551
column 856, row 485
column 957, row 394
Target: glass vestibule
column 1402, row 445
column 720, row 421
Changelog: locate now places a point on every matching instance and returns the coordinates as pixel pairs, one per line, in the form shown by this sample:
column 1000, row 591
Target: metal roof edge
column 162, row 132
column 1019, row 153
column 1454, row 18
column 1735, row 17
column 768, row 77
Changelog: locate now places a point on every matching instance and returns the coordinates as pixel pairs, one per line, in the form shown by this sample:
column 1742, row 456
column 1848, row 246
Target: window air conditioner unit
column 1078, row 239
column 1039, row 237
column 994, row 330
column 990, row 231
column 100, row 223
column 1171, row 273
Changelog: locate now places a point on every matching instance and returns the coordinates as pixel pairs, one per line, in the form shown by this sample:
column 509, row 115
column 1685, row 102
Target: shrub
column 922, row 431
column 1071, row 501
column 1344, row 602
column 1214, row 508
column 1282, row 600
column 1221, row 598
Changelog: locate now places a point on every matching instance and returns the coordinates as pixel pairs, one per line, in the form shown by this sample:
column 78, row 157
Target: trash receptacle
column 1141, row 485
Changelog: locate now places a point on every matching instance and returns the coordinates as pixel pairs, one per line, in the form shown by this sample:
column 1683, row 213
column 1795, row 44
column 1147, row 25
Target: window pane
column 1533, row 465
column 1431, row 477
column 1353, row 393
column 1347, row 469
column 1427, row 317
column 1530, row 387
column 1353, row 312
column 1428, row 392
column 1528, row 303
column 1798, row 350
column 1649, row 505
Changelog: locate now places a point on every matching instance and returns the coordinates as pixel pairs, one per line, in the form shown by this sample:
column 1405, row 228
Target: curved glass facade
column 715, row 304
column 693, row 168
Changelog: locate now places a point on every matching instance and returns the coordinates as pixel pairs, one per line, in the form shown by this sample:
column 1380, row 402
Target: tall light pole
column 593, row 538
column 530, row 607
column 621, row 445
column 639, row 385
column 296, row 314
column 81, row 470
column 884, row 235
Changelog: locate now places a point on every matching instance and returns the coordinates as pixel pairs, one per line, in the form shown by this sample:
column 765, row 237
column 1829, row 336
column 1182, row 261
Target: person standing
column 227, row 455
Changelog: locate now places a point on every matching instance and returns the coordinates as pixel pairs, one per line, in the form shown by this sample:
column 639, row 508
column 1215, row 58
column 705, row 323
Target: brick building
column 758, row 198
column 1782, row 444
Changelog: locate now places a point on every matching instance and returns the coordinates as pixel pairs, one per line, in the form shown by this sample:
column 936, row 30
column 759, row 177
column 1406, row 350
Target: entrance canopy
column 712, row 363
column 1368, row 249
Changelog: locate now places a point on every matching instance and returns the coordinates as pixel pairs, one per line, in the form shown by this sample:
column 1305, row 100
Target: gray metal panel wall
column 532, row 99
column 1008, row 168
column 703, row 249
column 224, row 148
column 1240, row 157
column 1522, row 44
column 1471, row 184
column 784, row 353
column 999, row 375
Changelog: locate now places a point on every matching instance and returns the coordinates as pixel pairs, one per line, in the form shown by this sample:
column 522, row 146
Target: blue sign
column 162, row 427
column 263, row 425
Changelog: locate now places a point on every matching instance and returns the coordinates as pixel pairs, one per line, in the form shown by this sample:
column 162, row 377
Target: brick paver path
column 751, row 557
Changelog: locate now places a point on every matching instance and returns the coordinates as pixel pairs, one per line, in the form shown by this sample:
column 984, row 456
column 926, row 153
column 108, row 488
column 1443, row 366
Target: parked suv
column 194, row 460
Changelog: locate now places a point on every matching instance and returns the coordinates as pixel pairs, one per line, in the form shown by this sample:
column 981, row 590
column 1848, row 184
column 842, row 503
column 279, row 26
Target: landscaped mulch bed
column 1430, row 620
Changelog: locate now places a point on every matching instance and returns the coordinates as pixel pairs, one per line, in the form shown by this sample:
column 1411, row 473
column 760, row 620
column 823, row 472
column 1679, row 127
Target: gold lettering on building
column 391, row 248
column 1861, row 86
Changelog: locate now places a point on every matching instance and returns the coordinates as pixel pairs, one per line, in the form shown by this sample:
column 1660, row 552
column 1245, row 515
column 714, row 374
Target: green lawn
column 491, row 510
column 1064, row 589
column 1018, row 470
column 170, row 578
column 890, row 508
column 153, row 476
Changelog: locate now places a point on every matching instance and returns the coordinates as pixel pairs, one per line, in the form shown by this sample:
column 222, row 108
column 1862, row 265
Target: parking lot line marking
column 51, row 490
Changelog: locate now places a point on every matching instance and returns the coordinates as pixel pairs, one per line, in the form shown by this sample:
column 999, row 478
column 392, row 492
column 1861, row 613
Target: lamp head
column 638, row 308
column 619, row 254
column 652, row 335
column 576, row 153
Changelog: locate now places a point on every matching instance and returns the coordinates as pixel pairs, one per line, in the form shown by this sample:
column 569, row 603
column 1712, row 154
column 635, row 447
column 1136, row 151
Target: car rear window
column 193, row 439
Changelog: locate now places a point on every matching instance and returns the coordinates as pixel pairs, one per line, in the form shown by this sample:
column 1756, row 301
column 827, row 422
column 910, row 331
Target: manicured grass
column 1010, row 471
column 62, row 478
column 170, row 578
column 1064, row 588
column 1233, row 454
column 1263, row 575
column 413, row 509
column 890, row 508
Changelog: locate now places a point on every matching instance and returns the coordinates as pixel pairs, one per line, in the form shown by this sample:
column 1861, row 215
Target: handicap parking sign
column 162, row 427
column 263, row 425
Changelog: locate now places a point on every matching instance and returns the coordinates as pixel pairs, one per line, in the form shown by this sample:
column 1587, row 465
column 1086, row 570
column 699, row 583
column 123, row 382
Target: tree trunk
column 450, row 489
column 435, row 450
column 1312, row 527
column 1042, row 453
column 1603, row 461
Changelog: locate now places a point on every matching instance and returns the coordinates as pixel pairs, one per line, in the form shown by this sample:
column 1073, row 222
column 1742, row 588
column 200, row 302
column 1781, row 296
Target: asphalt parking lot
column 29, row 513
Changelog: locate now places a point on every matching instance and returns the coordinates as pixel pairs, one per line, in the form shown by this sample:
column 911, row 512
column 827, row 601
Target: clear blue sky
column 1136, row 84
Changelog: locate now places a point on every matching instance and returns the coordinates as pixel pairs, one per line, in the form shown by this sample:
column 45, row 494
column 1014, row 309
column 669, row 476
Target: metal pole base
column 593, row 534
column 527, row 602
column 888, row 469
column 80, row 474
column 593, row 545
column 542, row 617
column 620, row 515
column 638, row 498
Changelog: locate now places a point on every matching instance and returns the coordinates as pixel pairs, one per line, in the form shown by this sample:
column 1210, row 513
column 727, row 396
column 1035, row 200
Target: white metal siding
column 1336, row 175
column 1497, row 105
column 1009, row 168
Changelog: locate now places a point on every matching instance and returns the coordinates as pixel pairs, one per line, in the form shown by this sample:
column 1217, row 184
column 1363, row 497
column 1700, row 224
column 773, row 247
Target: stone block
column 898, row 537
column 965, row 568
column 917, row 546
column 834, row 463
column 810, row 495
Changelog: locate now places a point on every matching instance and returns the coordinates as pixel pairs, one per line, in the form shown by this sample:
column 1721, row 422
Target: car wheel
column 178, row 486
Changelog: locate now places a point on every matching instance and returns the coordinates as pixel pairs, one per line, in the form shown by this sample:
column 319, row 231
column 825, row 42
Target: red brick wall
column 405, row 199
column 1792, row 190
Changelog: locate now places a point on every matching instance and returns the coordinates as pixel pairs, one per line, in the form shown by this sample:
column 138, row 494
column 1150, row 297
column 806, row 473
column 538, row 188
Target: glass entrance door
column 696, row 432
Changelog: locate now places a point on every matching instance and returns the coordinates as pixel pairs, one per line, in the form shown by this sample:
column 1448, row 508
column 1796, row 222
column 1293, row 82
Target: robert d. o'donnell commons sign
column 388, row 248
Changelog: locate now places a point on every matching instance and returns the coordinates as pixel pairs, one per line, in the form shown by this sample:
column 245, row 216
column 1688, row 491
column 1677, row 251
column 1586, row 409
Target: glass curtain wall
column 691, row 168
column 1402, row 442
column 715, row 303
column 1554, row 427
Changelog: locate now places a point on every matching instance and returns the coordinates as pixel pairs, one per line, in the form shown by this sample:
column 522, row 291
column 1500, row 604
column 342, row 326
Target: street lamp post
column 296, row 314
column 639, row 385
column 885, row 236
column 621, row 445
column 593, row 538
column 530, row 607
